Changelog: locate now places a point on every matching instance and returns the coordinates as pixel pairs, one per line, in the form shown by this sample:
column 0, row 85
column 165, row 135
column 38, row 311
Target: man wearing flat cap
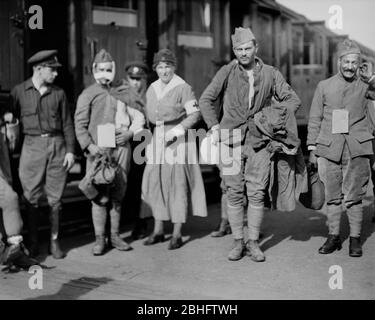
column 339, row 134
column 247, row 86
column 136, row 78
column 48, row 147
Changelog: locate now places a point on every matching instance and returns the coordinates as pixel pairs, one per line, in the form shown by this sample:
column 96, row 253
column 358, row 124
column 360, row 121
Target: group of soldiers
column 254, row 96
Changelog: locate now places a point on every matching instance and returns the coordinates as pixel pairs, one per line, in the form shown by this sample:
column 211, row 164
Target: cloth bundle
column 101, row 174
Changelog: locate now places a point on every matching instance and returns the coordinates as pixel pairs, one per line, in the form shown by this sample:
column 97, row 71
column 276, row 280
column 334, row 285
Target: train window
column 124, row 4
column 120, row 13
column 194, row 16
column 297, row 47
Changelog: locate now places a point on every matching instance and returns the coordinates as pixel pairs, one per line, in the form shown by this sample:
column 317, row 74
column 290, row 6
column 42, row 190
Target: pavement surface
column 200, row 269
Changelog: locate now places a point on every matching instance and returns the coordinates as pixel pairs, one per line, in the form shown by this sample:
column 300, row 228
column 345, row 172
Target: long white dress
column 171, row 191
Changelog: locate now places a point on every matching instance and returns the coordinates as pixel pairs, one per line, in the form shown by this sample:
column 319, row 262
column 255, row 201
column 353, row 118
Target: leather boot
column 355, row 247
column 55, row 250
column 332, row 243
column 118, row 243
column 254, row 252
column 222, row 230
column 237, row 251
column 33, row 222
column 99, row 245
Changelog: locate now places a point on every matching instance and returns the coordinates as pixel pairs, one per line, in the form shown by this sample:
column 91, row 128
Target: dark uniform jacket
column 233, row 82
column 97, row 105
column 38, row 114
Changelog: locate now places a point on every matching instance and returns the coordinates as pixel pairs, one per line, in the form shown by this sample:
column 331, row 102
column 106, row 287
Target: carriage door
column 117, row 26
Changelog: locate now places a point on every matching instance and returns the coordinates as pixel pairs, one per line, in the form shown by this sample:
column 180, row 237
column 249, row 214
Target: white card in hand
column 340, row 121
column 106, row 135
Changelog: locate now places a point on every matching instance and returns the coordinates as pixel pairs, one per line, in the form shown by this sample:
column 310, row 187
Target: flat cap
column 136, row 69
column 241, row 36
column 46, row 58
column 347, row 47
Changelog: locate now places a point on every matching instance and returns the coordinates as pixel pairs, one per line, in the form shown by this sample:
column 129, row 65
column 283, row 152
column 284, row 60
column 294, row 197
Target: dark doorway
column 54, row 35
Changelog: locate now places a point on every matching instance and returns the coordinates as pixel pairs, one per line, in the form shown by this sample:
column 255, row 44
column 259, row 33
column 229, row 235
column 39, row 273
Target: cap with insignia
column 45, row 58
column 241, row 36
column 136, row 69
column 348, row 47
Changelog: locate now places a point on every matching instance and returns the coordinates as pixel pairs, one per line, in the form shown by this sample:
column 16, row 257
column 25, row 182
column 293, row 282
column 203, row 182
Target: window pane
column 124, row 4
column 194, row 15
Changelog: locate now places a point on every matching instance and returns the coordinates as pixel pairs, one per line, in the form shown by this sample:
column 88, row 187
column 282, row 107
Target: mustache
column 351, row 70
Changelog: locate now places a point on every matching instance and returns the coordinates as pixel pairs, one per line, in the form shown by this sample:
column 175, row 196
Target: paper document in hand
column 106, row 135
column 340, row 121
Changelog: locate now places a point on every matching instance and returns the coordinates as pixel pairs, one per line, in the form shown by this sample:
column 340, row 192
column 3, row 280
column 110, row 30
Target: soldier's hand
column 13, row 135
column 94, row 150
column 9, row 118
column 123, row 136
column 365, row 71
column 68, row 161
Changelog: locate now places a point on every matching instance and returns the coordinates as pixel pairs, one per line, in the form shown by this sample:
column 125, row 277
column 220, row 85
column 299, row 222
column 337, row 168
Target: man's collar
column 257, row 65
column 29, row 84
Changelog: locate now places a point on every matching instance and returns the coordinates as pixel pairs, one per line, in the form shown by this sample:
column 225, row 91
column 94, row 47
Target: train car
column 198, row 31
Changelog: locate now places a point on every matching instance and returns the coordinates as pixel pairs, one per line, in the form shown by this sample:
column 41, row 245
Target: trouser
column 254, row 175
column 9, row 204
column 372, row 167
column 345, row 180
column 115, row 192
column 41, row 169
column 11, row 212
column 133, row 194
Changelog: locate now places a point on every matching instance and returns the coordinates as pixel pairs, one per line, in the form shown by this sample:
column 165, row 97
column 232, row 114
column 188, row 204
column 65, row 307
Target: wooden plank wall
column 11, row 51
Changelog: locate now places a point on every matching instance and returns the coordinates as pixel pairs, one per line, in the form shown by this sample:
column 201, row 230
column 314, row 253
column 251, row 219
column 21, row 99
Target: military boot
column 118, row 243
column 254, row 252
column 99, row 217
column 355, row 247
column 54, row 248
column 22, row 259
column 236, row 253
column 332, row 243
column 99, row 245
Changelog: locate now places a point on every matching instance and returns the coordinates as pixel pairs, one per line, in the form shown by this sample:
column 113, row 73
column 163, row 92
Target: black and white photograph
column 187, row 155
